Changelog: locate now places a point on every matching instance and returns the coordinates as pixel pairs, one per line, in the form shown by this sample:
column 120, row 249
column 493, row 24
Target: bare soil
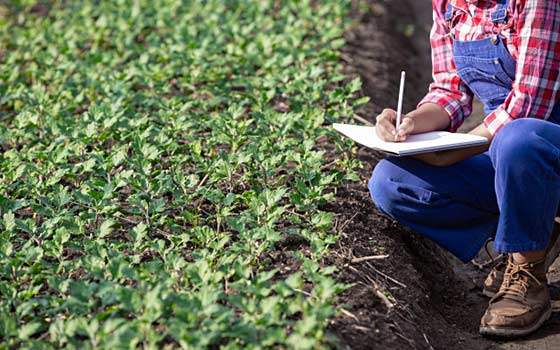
column 419, row 297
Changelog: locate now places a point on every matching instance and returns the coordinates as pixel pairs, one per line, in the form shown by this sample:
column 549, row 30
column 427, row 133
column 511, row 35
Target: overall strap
column 500, row 15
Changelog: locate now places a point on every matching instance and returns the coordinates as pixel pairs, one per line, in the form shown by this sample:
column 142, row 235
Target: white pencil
column 399, row 106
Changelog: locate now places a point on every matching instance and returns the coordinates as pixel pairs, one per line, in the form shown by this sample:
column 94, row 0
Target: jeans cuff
column 503, row 247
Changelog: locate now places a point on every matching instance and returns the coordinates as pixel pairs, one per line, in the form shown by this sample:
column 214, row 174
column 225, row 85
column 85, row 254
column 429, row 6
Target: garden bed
column 170, row 179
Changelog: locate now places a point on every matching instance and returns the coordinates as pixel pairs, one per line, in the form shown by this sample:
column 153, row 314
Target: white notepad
column 414, row 144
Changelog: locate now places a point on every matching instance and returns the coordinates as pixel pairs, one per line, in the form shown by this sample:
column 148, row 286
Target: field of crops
column 154, row 153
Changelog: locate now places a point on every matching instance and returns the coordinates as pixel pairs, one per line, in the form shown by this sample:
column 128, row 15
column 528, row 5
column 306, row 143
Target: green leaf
column 9, row 220
column 354, row 86
column 139, row 232
column 361, row 101
column 106, row 228
column 27, row 330
column 322, row 220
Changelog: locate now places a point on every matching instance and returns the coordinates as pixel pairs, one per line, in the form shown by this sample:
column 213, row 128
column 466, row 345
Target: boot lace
column 497, row 261
column 516, row 280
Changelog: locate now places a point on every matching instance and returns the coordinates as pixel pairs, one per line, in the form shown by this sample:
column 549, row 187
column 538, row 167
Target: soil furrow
column 419, row 297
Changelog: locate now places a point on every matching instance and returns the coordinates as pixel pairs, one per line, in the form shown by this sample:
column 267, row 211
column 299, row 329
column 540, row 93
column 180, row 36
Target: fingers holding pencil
column 385, row 125
column 389, row 126
column 386, row 130
column 406, row 128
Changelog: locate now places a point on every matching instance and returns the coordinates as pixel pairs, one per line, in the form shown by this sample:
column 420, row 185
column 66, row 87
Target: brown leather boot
column 521, row 305
column 493, row 282
column 495, row 278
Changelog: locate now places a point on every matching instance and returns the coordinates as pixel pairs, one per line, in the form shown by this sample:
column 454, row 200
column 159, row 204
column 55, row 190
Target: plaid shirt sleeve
column 537, row 82
column 447, row 89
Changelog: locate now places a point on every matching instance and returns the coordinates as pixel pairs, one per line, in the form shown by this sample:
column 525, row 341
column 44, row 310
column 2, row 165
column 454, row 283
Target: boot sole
column 515, row 332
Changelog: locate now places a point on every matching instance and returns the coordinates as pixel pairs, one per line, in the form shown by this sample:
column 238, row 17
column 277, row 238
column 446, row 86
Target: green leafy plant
column 154, row 153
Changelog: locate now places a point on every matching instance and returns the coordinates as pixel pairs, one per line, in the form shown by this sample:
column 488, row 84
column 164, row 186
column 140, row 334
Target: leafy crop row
column 153, row 155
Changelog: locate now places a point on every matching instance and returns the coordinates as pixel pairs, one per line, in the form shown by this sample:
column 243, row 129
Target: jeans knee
column 379, row 186
column 515, row 141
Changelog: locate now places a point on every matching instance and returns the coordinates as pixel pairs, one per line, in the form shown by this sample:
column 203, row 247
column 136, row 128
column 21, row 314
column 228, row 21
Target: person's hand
column 385, row 126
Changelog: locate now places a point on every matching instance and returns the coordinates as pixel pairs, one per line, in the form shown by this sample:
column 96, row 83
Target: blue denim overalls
column 513, row 190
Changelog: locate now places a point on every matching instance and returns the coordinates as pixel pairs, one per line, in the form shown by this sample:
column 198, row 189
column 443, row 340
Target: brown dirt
column 436, row 300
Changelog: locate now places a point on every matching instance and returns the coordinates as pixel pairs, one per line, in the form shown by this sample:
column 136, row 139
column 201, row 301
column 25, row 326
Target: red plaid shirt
column 532, row 36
